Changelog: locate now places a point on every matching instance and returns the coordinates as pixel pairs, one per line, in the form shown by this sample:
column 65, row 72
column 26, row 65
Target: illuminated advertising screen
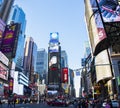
column 54, row 48
column 54, row 37
column 2, row 28
column 110, row 10
column 103, row 67
column 54, row 68
column 3, row 72
column 99, row 24
column 65, row 75
column 10, row 38
column 53, row 59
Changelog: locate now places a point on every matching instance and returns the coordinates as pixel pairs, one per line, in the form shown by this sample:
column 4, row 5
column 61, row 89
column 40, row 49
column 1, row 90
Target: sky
column 63, row 16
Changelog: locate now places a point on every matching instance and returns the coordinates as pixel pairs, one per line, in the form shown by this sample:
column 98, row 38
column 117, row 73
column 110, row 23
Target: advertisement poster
column 110, row 10
column 10, row 38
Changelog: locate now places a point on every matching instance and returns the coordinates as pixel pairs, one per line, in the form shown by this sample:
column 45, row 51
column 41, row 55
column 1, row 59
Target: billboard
column 65, row 75
column 54, row 37
column 110, row 10
column 10, row 39
column 53, row 48
column 107, row 15
column 54, row 68
column 53, row 59
column 99, row 34
column 3, row 72
column 103, row 67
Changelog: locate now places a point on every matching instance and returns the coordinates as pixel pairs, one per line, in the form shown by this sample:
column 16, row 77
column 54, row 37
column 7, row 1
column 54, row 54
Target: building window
column 119, row 66
column 14, row 14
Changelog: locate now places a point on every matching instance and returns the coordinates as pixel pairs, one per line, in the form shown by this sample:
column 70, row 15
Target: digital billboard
column 98, row 21
column 3, row 72
column 110, row 10
column 10, row 39
column 54, row 48
column 65, row 75
column 54, row 68
column 54, row 37
column 53, row 59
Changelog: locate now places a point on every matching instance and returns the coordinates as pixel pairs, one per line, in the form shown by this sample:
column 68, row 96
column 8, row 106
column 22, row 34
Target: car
column 57, row 102
column 115, row 104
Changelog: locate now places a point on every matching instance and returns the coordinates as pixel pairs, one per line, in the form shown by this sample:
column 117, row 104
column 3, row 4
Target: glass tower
column 18, row 16
column 42, row 63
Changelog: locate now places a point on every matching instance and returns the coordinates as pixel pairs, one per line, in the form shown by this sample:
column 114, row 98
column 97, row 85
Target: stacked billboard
column 104, row 23
column 54, row 67
column 10, row 39
column 99, row 17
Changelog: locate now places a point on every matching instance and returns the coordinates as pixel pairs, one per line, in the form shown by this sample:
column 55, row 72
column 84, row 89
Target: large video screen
column 54, row 68
column 10, row 39
column 99, row 23
column 110, row 10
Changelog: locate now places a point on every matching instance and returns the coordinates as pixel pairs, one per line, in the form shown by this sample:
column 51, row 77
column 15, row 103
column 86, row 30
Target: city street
column 41, row 105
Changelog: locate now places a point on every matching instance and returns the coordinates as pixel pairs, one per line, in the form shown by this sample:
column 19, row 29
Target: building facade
column 30, row 56
column 5, row 9
column 17, row 15
column 104, row 47
column 42, row 64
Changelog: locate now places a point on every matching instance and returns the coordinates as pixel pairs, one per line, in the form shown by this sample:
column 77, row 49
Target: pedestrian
column 9, row 102
column 0, row 101
column 107, row 105
column 75, row 104
column 14, row 101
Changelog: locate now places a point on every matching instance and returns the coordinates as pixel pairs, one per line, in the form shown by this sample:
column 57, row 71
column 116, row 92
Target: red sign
column 3, row 72
column 65, row 74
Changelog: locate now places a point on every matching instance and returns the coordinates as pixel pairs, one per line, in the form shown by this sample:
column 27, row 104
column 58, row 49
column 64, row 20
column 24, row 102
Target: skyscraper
column 64, row 59
column 17, row 15
column 30, row 58
column 5, row 8
column 42, row 63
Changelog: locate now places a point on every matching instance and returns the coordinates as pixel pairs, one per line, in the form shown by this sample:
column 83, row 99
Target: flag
column 77, row 73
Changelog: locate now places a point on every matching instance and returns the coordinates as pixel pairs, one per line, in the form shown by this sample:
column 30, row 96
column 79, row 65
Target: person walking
column 0, row 101
column 14, row 101
column 9, row 102
column 107, row 105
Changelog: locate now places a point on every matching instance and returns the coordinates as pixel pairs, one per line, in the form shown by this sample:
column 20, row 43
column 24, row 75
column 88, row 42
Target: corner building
column 105, row 43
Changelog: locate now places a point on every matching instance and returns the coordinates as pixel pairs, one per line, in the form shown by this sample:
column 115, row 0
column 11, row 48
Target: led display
column 10, row 38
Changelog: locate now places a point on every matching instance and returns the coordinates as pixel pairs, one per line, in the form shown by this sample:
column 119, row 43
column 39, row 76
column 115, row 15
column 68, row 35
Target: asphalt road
column 41, row 105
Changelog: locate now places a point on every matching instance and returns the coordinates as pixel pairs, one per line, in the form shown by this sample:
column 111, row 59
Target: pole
column 38, row 90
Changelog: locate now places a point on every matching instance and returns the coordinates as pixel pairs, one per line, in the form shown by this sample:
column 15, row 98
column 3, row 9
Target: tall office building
column 18, row 16
column 42, row 64
column 64, row 59
column 54, row 62
column 87, row 50
column 5, row 8
column 1, row 2
column 30, row 58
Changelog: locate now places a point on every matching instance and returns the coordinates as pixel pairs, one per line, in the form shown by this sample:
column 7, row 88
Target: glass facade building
column 42, row 63
column 18, row 16
column 64, row 59
column 5, row 8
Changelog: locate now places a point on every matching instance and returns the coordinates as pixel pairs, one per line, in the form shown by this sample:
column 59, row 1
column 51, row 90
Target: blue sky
column 63, row 16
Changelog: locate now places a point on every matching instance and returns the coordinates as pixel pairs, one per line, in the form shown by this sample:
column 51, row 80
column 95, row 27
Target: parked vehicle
column 57, row 102
column 115, row 104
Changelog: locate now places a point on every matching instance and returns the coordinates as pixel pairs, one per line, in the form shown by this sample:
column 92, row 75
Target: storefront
column 4, row 62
